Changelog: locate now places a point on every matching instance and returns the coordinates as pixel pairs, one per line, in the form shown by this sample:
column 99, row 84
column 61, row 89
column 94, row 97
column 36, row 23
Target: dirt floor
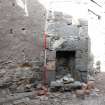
column 66, row 98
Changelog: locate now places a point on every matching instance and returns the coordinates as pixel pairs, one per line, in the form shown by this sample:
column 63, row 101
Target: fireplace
column 71, row 54
column 65, row 63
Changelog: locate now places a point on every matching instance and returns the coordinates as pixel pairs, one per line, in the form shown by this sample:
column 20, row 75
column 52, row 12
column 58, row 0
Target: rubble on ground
column 67, row 83
column 22, row 78
column 19, row 87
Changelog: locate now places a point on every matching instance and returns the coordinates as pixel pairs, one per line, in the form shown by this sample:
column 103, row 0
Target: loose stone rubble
column 67, row 83
column 19, row 79
column 18, row 88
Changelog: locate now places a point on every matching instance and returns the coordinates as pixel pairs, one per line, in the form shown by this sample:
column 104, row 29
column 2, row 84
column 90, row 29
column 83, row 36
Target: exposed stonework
column 17, row 31
column 18, row 42
column 70, row 38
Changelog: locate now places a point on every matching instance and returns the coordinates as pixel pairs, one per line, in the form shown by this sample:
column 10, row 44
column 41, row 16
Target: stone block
column 51, row 76
column 90, row 85
column 84, row 76
column 51, row 55
column 80, row 93
column 51, row 65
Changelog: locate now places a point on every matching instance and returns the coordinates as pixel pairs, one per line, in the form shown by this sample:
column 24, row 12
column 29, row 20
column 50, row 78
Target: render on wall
column 19, row 32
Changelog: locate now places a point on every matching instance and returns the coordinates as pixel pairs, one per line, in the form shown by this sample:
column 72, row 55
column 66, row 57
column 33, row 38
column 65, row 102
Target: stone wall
column 17, row 31
column 69, row 37
column 21, row 49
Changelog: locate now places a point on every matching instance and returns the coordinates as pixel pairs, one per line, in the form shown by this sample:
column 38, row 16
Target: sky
column 97, row 32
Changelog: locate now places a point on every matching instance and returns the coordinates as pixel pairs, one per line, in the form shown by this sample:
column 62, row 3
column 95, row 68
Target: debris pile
column 67, row 83
column 21, row 86
column 19, row 79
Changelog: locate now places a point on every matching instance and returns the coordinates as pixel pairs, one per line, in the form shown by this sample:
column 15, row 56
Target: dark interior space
column 65, row 63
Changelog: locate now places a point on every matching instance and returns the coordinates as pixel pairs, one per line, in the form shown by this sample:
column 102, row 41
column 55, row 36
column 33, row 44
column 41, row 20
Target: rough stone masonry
column 17, row 31
column 20, row 57
column 69, row 45
column 18, row 45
